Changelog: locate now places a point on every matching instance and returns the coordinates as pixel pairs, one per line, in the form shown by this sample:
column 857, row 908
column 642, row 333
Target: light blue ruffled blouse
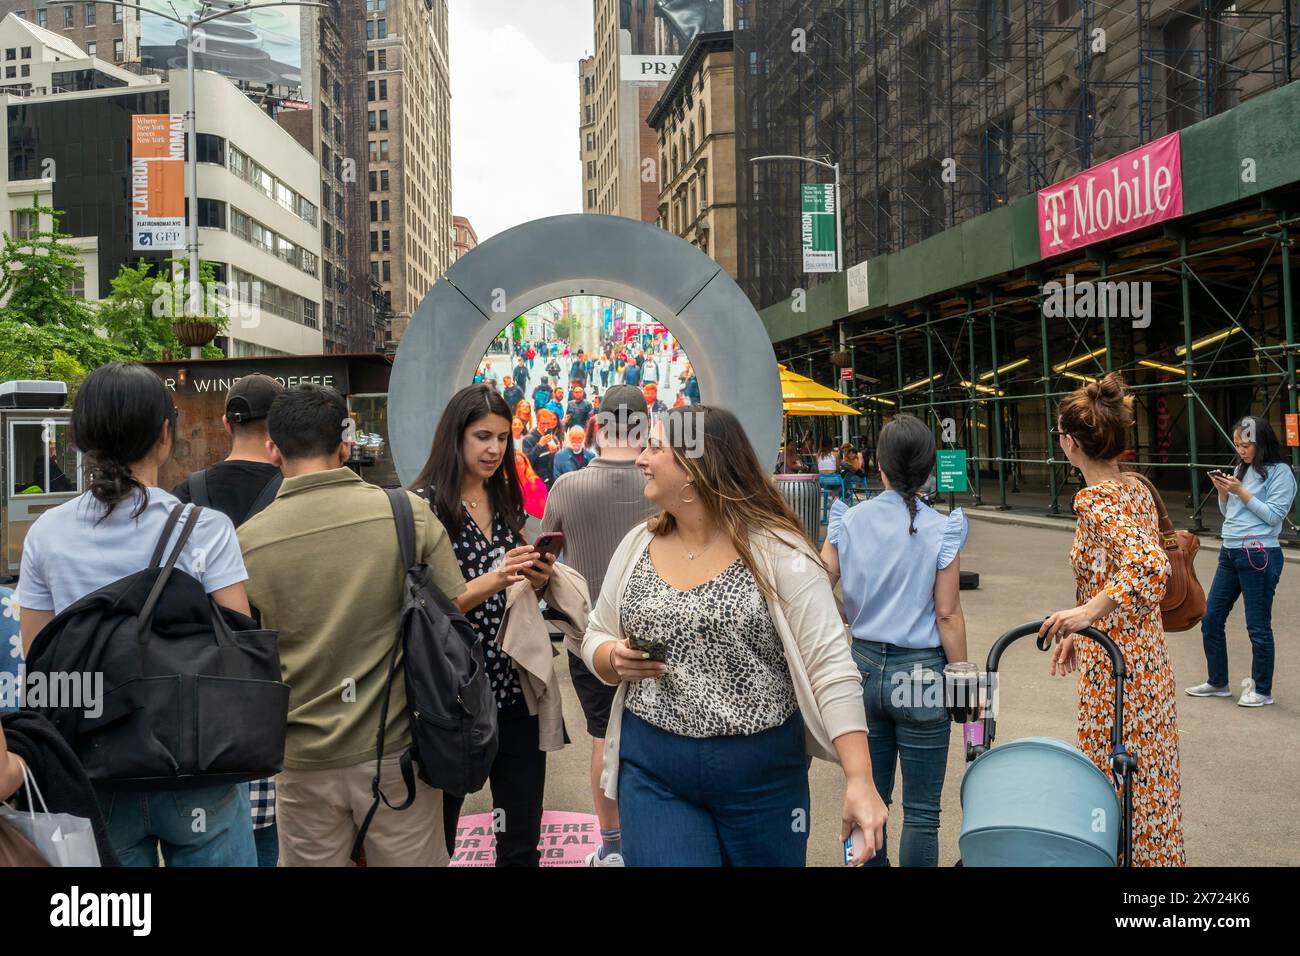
column 886, row 573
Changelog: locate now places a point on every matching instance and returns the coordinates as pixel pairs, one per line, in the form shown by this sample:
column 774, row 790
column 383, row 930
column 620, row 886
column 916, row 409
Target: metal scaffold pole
column 1193, row 461
column 974, row 408
column 997, row 409
column 1288, row 320
column 1048, row 418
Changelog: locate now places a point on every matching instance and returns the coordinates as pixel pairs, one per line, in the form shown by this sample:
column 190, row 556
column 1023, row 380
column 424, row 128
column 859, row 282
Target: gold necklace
column 692, row 555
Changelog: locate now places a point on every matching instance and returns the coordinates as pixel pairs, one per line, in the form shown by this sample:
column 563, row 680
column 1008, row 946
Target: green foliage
column 37, row 275
column 53, row 352
column 563, row 328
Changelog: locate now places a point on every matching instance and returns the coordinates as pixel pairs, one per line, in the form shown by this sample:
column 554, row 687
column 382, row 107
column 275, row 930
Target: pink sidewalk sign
column 1138, row 188
column 566, row 840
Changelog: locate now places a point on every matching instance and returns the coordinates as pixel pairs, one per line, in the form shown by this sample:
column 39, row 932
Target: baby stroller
column 1039, row 801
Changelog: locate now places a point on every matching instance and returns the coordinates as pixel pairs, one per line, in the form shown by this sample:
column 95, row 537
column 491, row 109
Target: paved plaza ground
column 1239, row 765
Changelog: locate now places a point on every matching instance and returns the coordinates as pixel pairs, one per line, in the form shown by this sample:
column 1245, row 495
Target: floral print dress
column 1117, row 549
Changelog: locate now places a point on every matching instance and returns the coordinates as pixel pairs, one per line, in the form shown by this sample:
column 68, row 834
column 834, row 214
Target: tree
column 52, row 351
column 563, row 328
column 37, row 274
column 140, row 310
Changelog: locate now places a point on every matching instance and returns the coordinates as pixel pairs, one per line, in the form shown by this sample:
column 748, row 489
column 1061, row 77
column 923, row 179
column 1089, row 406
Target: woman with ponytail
column 898, row 562
column 124, row 422
column 1121, row 572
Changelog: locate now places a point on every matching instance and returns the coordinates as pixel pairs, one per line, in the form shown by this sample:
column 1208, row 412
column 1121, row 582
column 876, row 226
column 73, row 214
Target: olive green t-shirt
column 324, row 570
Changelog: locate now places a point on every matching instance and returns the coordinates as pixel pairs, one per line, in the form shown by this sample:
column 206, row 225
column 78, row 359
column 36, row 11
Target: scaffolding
column 1027, row 97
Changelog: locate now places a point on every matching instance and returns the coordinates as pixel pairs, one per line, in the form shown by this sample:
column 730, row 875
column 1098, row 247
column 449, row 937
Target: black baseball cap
column 625, row 398
column 250, row 398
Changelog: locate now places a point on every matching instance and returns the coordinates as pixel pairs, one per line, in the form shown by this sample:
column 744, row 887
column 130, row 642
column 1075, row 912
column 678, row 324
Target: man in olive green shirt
column 325, row 572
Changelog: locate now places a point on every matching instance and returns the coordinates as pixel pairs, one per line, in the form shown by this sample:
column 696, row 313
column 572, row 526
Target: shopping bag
column 64, row 840
column 17, row 850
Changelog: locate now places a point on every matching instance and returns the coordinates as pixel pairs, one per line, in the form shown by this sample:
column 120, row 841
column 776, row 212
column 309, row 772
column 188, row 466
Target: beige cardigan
column 827, row 684
column 524, row 637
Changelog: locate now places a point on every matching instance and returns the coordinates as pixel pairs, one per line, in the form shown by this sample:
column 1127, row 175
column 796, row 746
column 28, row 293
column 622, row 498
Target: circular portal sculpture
column 586, row 254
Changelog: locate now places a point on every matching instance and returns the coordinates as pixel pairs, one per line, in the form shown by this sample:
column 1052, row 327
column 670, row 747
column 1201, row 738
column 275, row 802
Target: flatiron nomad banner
column 818, row 225
column 157, row 181
column 1139, row 188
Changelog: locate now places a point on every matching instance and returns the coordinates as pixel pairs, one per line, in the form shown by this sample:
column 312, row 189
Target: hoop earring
column 687, row 501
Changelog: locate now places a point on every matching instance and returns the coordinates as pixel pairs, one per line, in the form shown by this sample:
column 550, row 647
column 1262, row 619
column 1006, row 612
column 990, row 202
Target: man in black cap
column 239, row 487
column 246, row 481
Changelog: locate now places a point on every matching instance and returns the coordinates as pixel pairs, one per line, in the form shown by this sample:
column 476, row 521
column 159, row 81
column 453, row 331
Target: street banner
column 1136, row 189
column 157, row 181
column 1293, row 431
column 950, row 470
column 818, row 225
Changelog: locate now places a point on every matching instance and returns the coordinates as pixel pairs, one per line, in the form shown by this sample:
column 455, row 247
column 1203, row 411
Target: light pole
column 191, row 23
column 842, row 386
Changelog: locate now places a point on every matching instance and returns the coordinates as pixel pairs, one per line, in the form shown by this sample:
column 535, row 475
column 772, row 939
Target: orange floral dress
column 1117, row 549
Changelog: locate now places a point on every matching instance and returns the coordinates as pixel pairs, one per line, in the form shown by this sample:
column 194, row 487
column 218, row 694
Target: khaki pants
column 318, row 814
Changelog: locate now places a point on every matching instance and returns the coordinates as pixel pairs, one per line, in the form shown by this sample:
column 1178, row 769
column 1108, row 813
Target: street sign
column 818, row 226
column 846, row 374
column 950, row 469
column 1293, row 431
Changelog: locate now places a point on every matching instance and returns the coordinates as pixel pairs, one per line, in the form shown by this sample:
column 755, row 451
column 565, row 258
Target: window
column 370, row 120
column 338, row 205
column 26, row 70
column 309, row 314
column 374, row 151
column 11, row 53
column 370, row 29
column 211, row 149
column 48, row 466
column 383, row 119
column 43, row 16
column 91, row 48
column 374, row 211
column 25, row 53
column 374, row 181
column 370, row 91
column 11, row 72
column 117, row 14
column 117, row 47
column 374, row 240
column 383, row 210
column 383, row 89
column 384, row 244
column 383, row 150
column 212, row 213
column 68, row 19
column 90, row 14
column 24, row 223
column 374, row 269
column 383, row 59
column 387, row 271
column 381, row 28
column 370, row 61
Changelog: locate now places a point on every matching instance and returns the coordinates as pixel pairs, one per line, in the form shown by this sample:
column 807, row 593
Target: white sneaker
column 1249, row 698
column 1209, row 690
column 610, row 859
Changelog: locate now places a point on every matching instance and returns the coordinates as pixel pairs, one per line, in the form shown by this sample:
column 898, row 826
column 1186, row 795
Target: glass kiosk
column 40, row 467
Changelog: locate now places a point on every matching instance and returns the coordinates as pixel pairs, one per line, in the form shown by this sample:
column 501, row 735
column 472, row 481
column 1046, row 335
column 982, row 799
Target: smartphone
column 657, row 650
column 855, row 847
column 550, row 542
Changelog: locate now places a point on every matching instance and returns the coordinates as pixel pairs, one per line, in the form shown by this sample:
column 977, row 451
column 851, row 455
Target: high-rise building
column 466, row 237
column 587, row 152
column 408, row 113
column 109, row 32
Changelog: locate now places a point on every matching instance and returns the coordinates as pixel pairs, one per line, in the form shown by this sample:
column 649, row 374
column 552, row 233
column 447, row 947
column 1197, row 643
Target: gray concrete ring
column 587, row 254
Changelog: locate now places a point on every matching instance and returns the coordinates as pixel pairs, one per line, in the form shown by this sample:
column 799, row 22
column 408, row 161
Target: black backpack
column 192, row 695
column 448, row 693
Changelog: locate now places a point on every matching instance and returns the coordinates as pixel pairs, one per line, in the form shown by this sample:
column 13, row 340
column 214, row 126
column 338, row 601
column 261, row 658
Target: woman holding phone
column 717, row 623
column 1255, row 499
column 471, row 482
column 1121, row 572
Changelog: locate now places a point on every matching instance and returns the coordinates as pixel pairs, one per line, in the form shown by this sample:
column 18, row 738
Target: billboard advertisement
column 686, row 18
column 157, row 181
column 259, row 46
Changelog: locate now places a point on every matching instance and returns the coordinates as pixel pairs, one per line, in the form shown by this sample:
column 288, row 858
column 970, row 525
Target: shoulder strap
column 199, row 488
column 266, row 496
column 146, row 612
column 404, row 518
column 1166, row 523
column 166, row 535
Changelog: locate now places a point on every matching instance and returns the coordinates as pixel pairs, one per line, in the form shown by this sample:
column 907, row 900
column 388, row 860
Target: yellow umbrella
column 826, row 408
column 796, row 387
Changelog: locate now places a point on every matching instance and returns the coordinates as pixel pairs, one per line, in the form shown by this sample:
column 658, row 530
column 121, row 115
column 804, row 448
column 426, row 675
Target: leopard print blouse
column 727, row 674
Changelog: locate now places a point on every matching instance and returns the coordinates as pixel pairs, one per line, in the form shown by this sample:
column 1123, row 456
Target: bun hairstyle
column 1098, row 417
column 117, row 417
column 906, row 454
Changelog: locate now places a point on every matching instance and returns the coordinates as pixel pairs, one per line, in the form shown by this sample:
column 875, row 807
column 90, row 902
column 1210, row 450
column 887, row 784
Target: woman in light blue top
column 1255, row 500
column 896, row 558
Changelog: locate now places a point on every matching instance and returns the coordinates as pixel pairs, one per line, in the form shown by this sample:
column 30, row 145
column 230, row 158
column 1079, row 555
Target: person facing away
column 325, row 571
column 898, row 565
column 575, row 455
column 594, row 509
column 1255, row 500
column 471, row 486
column 632, row 374
column 520, row 373
column 124, row 422
column 1121, row 574
column 234, row 486
column 542, row 393
column 705, row 751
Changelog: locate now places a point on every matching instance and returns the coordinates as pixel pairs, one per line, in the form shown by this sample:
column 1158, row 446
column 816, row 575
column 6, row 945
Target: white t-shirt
column 66, row 555
column 827, row 465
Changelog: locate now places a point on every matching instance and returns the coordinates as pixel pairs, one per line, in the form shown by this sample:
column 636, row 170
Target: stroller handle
column 1116, row 662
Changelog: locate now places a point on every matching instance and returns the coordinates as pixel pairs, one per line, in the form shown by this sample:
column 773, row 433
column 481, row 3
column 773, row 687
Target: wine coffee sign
column 1139, row 188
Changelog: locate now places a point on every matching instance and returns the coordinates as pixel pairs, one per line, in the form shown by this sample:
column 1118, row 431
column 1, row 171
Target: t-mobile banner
column 1139, row 188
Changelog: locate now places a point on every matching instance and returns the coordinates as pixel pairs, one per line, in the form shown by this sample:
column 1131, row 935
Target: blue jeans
column 907, row 723
column 267, row 841
column 713, row 801
column 143, row 822
column 1253, row 575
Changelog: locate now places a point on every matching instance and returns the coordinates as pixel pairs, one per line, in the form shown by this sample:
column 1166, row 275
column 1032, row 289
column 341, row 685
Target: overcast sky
column 514, row 109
